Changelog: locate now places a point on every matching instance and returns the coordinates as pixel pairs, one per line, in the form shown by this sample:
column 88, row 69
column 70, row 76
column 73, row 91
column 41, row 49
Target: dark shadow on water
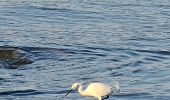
column 11, row 92
column 155, row 51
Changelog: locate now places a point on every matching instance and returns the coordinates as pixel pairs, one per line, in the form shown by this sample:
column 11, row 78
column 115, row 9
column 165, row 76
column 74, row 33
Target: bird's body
column 98, row 90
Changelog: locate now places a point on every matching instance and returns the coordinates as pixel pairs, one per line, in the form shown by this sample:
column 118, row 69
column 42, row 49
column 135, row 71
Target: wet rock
column 12, row 57
column 8, row 54
column 21, row 61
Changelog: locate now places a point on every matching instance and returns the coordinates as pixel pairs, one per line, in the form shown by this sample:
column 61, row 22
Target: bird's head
column 73, row 87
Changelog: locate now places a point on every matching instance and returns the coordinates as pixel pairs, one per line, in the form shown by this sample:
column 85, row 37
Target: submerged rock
column 8, row 54
column 12, row 57
column 21, row 61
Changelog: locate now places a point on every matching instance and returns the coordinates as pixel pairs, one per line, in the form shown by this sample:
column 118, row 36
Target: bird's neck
column 82, row 91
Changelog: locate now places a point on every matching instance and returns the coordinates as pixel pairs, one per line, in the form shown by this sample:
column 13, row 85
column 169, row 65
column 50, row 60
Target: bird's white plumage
column 99, row 89
column 96, row 89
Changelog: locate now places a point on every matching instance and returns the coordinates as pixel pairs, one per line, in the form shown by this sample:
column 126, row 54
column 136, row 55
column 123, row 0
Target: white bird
column 98, row 90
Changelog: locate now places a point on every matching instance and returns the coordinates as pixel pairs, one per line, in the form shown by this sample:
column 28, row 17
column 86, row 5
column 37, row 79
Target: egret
column 97, row 89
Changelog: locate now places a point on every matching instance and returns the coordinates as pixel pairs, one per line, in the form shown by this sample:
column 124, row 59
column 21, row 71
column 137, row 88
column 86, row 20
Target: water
column 66, row 41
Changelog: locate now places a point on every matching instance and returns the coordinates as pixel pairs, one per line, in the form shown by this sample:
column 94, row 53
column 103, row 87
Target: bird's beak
column 68, row 92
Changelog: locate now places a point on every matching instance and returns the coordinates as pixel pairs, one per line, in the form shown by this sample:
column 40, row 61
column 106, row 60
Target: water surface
column 46, row 45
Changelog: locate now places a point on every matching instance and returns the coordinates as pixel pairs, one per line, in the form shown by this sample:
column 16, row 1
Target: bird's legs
column 100, row 98
column 106, row 97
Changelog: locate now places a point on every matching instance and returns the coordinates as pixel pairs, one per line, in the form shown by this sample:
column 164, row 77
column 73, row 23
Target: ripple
column 13, row 91
column 155, row 51
column 84, row 40
column 134, row 63
column 137, row 70
column 116, row 74
column 130, row 93
column 151, row 59
column 57, row 9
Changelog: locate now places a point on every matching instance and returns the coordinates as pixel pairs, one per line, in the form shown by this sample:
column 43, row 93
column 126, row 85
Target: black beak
column 68, row 92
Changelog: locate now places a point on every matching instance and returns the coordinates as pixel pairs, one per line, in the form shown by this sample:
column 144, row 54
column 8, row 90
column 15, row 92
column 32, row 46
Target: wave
column 22, row 91
column 12, row 57
column 46, row 7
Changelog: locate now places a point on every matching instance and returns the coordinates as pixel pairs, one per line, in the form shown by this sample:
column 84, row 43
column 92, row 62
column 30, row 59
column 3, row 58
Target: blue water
column 86, row 41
